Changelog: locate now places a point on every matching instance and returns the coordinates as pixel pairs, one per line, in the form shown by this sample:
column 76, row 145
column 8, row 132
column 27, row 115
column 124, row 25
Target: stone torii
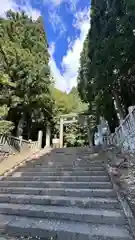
column 73, row 118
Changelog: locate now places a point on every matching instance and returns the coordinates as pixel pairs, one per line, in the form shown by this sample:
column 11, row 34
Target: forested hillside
column 67, row 102
column 106, row 78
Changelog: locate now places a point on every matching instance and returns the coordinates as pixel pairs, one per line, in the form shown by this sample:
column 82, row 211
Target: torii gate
column 73, row 118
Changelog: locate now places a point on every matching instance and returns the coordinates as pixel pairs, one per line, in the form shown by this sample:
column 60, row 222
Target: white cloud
column 54, row 2
column 58, row 78
column 55, row 18
column 52, row 48
column 57, row 3
column 60, row 81
column 73, row 4
column 70, row 62
column 56, row 21
column 31, row 12
column 5, row 5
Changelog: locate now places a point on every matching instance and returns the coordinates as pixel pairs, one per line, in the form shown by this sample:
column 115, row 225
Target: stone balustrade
column 124, row 135
column 11, row 143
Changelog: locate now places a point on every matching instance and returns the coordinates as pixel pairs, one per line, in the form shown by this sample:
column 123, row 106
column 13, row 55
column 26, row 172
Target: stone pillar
column 132, row 119
column 20, row 143
column 125, row 138
column 61, row 132
column 48, row 136
column 20, row 127
column 99, row 127
column 40, row 136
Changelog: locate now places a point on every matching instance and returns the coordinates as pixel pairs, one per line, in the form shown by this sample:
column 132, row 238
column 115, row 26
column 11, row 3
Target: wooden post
column 61, row 132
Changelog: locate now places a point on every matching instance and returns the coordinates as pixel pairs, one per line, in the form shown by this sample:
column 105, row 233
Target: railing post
column 48, row 135
column 126, row 138
column 132, row 118
column 20, row 143
column 61, row 132
column 40, row 136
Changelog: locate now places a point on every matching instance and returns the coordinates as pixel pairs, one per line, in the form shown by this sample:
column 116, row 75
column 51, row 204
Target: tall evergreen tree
column 109, row 75
column 24, row 59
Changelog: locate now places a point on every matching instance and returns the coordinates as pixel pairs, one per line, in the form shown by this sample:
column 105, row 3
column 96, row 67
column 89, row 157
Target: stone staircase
column 62, row 196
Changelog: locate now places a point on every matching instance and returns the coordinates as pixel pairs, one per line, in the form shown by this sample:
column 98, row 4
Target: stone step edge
column 15, row 177
column 24, row 226
column 72, row 171
column 70, row 168
column 93, row 216
column 58, row 174
column 85, row 200
column 106, row 190
column 56, row 182
column 65, row 209
column 73, row 192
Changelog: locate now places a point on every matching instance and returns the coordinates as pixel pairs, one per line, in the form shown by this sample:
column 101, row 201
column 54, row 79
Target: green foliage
column 28, row 98
column 5, row 126
column 75, row 135
column 107, row 71
column 84, row 85
column 24, row 60
column 67, row 102
column 75, row 101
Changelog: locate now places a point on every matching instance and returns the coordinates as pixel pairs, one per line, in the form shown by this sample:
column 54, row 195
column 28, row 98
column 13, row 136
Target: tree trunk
column 89, row 134
column 93, row 139
column 20, row 126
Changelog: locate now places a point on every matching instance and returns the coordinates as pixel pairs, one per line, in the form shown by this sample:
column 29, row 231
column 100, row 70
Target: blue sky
column 66, row 24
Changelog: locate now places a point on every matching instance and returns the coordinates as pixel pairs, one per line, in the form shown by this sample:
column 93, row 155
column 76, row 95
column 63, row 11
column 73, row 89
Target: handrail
column 17, row 144
column 124, row 135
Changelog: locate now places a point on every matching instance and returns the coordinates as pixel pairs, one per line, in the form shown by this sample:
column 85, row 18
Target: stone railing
column 11, row 143
column 124, row 136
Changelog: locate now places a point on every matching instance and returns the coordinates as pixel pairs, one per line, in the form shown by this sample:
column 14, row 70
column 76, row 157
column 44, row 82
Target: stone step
column 5, row 237
column 58, row 184
column 55, row 169
column 66, row 168
column 65, row 160
column 60, row 191
column 64, row 164
column 18, row 177
column 59, row 230
column 65, row 173
column 95, row 216
column 105, row 203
